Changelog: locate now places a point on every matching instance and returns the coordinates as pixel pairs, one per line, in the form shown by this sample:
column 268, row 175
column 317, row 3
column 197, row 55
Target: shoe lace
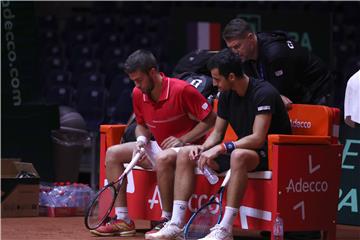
column 160, row 225
column 110, row 220
column 218, row 232
column 170, row 228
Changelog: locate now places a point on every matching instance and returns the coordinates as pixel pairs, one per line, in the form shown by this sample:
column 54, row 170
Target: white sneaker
column 218, row 233
column 169, row 231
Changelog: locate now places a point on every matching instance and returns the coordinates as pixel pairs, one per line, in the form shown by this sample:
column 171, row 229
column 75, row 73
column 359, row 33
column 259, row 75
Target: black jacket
column 292, row 69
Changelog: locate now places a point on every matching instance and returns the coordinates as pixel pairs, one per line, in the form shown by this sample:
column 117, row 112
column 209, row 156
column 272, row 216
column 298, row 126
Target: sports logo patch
column 290, row 44
column 278, row 73
column 263, row 108
column 205, row 106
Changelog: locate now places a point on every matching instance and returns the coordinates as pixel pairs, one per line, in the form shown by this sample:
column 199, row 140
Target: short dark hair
column 236, row 28
column 227, row 62
column 142, row 60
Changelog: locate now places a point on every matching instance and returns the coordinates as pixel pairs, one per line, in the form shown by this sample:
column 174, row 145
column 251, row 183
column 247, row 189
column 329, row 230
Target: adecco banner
column 20, row 81
column 349, row 195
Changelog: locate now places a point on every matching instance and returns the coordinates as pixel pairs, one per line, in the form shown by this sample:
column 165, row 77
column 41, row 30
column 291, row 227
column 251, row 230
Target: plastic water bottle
column 278, row 228
column 210, row 175
column 70, row 196
column 82, row 196
column 77, row 193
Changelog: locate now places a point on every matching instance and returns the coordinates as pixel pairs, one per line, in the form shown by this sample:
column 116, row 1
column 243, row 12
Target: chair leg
column 330, row 234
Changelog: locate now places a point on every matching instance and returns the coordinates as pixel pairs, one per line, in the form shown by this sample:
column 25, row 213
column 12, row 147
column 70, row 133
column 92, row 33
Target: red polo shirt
column 170, row 115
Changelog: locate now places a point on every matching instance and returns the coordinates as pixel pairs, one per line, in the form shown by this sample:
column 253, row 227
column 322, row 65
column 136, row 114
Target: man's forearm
column 140, row 130
column 212, row 140
column 196, row 133
column 252, row 141
column 200, row 129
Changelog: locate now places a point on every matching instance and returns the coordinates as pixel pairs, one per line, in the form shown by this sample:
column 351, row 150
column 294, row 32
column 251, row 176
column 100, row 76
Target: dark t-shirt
column 261, row 97
column 291, row 69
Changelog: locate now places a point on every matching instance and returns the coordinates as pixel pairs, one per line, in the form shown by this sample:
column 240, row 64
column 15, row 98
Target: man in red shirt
column 174, row 113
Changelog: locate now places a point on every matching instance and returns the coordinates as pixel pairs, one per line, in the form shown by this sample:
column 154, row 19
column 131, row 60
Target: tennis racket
column 207, row 215
column 100, row 207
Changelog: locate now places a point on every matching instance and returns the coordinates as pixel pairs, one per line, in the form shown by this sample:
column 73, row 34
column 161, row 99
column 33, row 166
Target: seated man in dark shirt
column 299, row 75
column 254, row 109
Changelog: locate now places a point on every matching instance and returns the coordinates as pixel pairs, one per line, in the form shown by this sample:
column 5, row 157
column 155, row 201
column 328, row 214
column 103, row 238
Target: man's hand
column 287, row 102
column 207, row 157
column 142, row 154
column 171, row 142
column 195, row 152
column 139, row 147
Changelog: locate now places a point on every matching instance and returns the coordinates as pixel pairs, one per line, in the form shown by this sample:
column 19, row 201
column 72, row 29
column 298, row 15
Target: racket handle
column 210, row 175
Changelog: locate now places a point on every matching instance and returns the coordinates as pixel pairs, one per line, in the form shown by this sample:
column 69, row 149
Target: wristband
column 229, row 146
column 142, row 139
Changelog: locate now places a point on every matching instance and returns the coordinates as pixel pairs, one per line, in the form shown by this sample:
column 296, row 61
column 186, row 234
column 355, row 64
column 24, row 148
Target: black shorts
column 223, row 160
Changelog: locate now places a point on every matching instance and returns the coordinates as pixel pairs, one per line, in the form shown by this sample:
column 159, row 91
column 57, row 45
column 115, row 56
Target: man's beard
column 151, row 86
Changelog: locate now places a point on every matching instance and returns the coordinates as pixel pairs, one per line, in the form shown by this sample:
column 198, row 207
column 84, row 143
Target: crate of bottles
column 64, row 199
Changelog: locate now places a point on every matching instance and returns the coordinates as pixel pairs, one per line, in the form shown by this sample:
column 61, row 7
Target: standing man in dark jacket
column 296, row 73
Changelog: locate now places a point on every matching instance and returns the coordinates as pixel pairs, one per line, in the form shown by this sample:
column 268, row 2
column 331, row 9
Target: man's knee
column 165, row 159
column 110, row 155
column 243, row 160
column 183, row 157
column 113, row 154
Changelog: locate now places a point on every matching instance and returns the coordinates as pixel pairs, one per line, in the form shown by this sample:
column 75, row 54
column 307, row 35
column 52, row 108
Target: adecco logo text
column 8, row 24
column 300, row 124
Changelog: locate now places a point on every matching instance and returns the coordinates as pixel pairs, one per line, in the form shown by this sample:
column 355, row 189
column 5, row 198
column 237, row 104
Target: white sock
column 165, row 214
column 122, row 213
column 179, row 210
column 229, row 217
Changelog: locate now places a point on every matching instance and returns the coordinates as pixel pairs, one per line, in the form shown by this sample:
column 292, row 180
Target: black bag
column 202, row 82
column 195, row 61
column 129, row 133
column 193, row 69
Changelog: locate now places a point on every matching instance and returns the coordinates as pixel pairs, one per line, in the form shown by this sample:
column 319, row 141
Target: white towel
column 153, row 148
column 352, row 100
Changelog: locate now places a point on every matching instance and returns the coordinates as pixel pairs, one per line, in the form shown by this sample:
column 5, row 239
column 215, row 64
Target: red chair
column 302, row 183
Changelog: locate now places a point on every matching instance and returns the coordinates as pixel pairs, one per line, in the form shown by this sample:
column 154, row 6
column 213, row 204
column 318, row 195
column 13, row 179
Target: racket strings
column 98, row 211
column 101, row 206
column 203, row 221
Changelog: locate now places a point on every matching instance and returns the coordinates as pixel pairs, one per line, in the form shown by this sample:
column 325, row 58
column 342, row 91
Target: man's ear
column 152, row 72
column 231, row 77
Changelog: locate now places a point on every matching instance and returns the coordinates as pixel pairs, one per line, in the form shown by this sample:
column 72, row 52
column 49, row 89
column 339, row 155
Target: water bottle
column 87, row 195
column 210, row 175
column 82, row 196
column 278, row 228
column 77, row 195
column 70, row 195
